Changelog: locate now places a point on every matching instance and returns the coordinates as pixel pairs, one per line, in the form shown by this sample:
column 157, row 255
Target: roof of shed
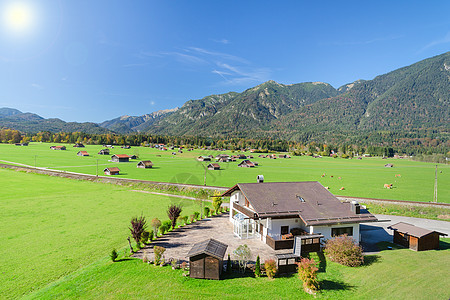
column 309, row 200
column 122, row 155
column 113, row 169
column 211, row 247
column 411, row 229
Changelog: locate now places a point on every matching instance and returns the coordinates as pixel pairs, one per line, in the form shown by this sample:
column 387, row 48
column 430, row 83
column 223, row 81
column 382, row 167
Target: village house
column 78, row 145
column 82, row 153
column 126, row 147
column 145, row 164
column 246, row 164
column 415, row 238
column 275, row 212
column 58, row 147
column 104, row 152
column 204, row 158
column 213, row 166
column 111, row 171
column 388, row 165
column 285, row 156
column 120, row 158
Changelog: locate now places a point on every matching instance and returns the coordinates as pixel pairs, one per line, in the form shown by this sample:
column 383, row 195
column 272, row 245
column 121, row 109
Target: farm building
column 213, row 166
column 224, row 159
column 120, row 158
column 21, row 144
column 276, row 212
column 104, row 152
column 58, row 147
column 145, row 164
column 133, row 156
column 246, row 164
column 78, row 145
column 126, row 147
column 206, row 259
column 82, row 153
column 388, row 165
column 415, row 238
column 204, row 158
column 242, row 156
column 284, row 156
column 111, row 171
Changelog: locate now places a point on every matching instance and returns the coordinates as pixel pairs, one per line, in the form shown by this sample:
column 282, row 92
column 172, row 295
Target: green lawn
column 51, row 226
column 393, row 274
column 360, row 178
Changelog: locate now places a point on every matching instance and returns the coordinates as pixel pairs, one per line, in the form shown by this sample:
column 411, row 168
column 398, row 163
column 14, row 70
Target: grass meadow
column 57, row 234
column 359, row 178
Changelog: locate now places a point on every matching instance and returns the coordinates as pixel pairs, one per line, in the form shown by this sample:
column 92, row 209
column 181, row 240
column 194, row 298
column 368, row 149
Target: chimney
column 260, row 179
column 355, row 207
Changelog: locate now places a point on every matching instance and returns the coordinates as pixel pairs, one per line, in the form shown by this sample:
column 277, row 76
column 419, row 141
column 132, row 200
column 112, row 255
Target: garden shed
column 82, row 153
column 145, row 164
column 120, row 158
column 206, row 259
column 214, row 166
column 415, row 238
column 104, row 152
column 111, row 171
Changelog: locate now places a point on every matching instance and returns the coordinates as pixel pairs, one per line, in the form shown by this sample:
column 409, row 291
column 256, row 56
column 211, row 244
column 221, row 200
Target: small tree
column 206, row 211
column 113, row 255
column 196, row 215
column 271, row 268
column 155, row 224
column 217, row 201
column 257, row 267
column 151, row 234
column 159, row 251
column 307, row 272
column 343, row 250
column 243, row 255
column 145, row 236
column 138, row 226
column 173, row 212
column 164, row 228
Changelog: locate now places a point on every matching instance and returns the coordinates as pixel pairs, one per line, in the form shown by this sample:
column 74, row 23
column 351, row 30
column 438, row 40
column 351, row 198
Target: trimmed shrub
column 257, row 267
column 307, row 272
column 145, row 236
column 138, row 226
column 164, row 228
column 343, row 250
column 271, row 268
column 151, row 234
column 159, row 251
column 206, row 210
column 156, row 223
column 196, row 215
column 192, row 218
column 185, row 219
column 217, row 201
column 114, row 255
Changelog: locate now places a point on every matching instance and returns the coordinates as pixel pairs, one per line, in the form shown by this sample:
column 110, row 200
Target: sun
column 18, row 17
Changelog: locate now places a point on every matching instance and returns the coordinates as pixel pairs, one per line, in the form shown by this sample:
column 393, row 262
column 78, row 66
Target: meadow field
column 57, row 234
column 359, row 178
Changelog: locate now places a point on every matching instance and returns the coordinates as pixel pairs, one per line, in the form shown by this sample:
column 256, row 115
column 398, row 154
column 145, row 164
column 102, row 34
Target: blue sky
column 90, row 60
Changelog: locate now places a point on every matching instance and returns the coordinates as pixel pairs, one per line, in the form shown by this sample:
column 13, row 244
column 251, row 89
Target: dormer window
column 300, row 198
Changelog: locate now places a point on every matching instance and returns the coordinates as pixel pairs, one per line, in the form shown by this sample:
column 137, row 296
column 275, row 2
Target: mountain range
column 411, row 98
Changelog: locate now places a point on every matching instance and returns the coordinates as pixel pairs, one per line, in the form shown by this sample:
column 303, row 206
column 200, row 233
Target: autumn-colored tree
column 138, row 226
column 173, row 212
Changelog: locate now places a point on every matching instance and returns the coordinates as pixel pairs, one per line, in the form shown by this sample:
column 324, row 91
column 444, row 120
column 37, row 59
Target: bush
column 174, row 212
column 206, row 210
column 271, row 268
column 192, row 218
column 151, row 234
column 145, row 236
column 185, row 219
column 307, row 271
column 114, row 255
column 164, row 228
column 257, row 267
column 138, row 226
column 243, row 255
column 156, row 223
column 343, row 250
column 159, row 251
column 196, row 215
column 217, row 201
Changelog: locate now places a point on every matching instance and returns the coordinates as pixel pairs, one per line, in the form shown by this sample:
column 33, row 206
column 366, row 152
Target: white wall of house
column 325, row 230
column 275, row 229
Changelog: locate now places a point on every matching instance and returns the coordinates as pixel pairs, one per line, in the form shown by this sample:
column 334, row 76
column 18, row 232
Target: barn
column 111, row 171
column 82, row 153
column 214, row 166
column 145, row 164
column 78, row 145
column 104, row 152
column 120, row 158
column 58, row 147
column 246, row 164
column 206, row 259
column 415, row 238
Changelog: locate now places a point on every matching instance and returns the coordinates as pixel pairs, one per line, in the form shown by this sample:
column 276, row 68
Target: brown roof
column 211, row 247
column 146, row 162
column 121, row 155
column 412, row 230
column 113, row 169
column 84, row 152
column 310, row 201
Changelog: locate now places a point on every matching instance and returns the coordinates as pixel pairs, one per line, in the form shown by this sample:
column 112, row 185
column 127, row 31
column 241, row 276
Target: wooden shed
column 388, row 165
column 78, row 145
column 104, row 152
column 415, row 238
column 82, row 153
column 214, row 166
column 246, row 164
column 120, row 158
column 58, row 147
column 145, row 164
column 206, row 259
column 111, row 171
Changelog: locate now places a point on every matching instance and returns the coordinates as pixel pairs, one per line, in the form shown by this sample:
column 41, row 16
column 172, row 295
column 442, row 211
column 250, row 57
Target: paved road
column 372, row 233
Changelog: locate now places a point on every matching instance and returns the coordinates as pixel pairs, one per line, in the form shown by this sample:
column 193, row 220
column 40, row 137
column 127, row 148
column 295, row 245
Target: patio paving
column 180, row 241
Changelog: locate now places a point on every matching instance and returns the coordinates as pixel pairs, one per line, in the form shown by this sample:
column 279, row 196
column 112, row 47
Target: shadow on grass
column 335, row 285
column 444, row 245
column 322, row 262
column 124, row 259
column 371, row 259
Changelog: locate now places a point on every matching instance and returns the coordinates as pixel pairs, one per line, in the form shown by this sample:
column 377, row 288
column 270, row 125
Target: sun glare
column 18, row 17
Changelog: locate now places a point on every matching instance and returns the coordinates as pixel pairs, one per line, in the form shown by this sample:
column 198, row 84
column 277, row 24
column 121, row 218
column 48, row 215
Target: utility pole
column 435, row 196
column 96, row 173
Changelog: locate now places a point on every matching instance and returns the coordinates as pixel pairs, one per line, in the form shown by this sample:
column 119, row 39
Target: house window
column 291, row 261
column 284, row 230
column 342, row 230
column 282, row 262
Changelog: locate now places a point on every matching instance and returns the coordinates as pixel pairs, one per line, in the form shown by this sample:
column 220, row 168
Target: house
column 206, row 259
column 246, row 164
column 285, row 156
column 224, row 159
column 272, row 156
column 126, row 147
column 276, row 212
column 78, row 145
column 133, row 156
column 111, row 171
column 104, row 152
column 262, row 156
column 120, row 158
column 242, row 156
column 415, row 238
column 213, row 166
column 388, row 165
column 222, row 156
column 145, row 164
column 82, row 153
column 204, row 158
column 58, row 147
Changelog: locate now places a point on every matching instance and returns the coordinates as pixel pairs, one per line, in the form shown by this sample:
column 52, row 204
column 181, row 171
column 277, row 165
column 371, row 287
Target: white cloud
column 37, row 86
column 152, row 103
